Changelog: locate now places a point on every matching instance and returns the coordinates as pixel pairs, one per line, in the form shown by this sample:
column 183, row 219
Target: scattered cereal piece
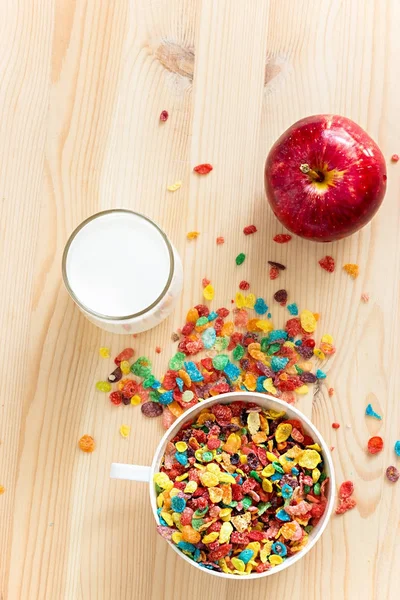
column 397, row 448
column 293, row 309
column 86, row 443
column 158, row 349
column 174, row 186
column 203, row 169
column 281, row 296
column 208, row 292
column 392, row 474
column 151, row 409
column 375, row 445
column 174, row 336
column 277, row 265
column 103, row 386
column 369, row 411
column 249, row 229
column 308, row 321
column 240, row 258
column 193, row 235
column 104, row 352
column 327, row 263
column 395, row 158
column 205, row 282
column 2, row 489
column 125, row 431
column 365, row 297
column 273, row 273
column 331, row 392
column 352, row 269
column 244, row 285
column 164, row 116
column 220, row 240
column 335, row 425
column 282, row 238
column 346, row 502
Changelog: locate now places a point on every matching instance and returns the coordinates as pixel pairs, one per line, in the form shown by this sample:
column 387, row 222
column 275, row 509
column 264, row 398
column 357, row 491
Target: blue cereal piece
column 293, row 309
column 232, row 372
column 212, row 316
column 193, row 371
column 283, row 516
column 279, row 548
column 166, row 397
column 278, row 363
column 186, row 547
column 276, row 477
column 208, row 338
column 259, row 384
column 162, row 522
column 277, row 334
column 156, row 384
column 178, row 504
column 297, row 342
column 179, row 383
column 369, row 411
column 295, row 471
column 181, row 457
column 320, row 374
column 246, row 555
column 260, row 307
column 287, row 491
column 397, row 448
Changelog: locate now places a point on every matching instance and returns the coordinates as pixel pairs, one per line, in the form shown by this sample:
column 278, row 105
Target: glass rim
column 75, row 297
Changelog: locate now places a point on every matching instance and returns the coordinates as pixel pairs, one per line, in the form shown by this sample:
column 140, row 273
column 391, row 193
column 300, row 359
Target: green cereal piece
column 176, row 362
column 238, row 352
column 273, row 348
column 262, row 507
column 207, row 456
column 147, row 383
column 247, row 502
column 221, row 343
column 141, row 367
column 240, row 258
column 255, row 476
column 220, row 361
column 317, row 489
column 277, row 466
column 154, row 396
column 197, row 523
column 306, row 489
column 201, row 321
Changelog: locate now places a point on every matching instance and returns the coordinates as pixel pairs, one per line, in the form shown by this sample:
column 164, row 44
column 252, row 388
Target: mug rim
column 83, row 306
column 248, row 397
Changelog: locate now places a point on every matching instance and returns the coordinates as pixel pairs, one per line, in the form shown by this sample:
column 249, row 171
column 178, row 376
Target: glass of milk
column 122, row 271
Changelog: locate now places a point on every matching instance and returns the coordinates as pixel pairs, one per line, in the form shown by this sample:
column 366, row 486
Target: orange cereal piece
column 192, row 315
column 86, row 443
column 227, row 329
column 252, row 325
column 2, row 489
column 190, row 535
column 352, row 269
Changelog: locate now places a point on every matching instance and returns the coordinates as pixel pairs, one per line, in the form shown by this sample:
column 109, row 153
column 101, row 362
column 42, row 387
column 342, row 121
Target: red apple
column 325, row 178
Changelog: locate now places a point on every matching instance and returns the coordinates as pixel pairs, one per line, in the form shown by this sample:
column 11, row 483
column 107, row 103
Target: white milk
column 122, row 271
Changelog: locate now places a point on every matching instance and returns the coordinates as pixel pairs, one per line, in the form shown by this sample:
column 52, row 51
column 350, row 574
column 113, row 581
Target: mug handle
column 132, row 472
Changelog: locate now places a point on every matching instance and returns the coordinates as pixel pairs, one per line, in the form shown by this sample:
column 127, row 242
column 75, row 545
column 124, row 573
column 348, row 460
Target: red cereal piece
column 164, row 116
column 186, row 516
column 238, row 537
column 293, row 327
column 222, row 551
column 262, row 567
column 327, row 263
column 392, row 474
column 375, row 444
column 249, row 229
column 220, row 240
column 331, row 392
column 222, row 312
column 205, row 282
column 345, row 505
column 213, row 443
column 116, row 398
column 126, row 354
column 188, row 328
column 346, row 490
column 223, row 414
column 203, row 169
column 203, row 310
column 256, row 536
column 129, row 389
column 395, row 158
column 244, row 285
column 158, row 350
column 282, row 238
column 335, row 425
column 273, row 273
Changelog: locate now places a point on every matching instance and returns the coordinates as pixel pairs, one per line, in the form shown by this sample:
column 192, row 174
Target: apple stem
column 313, row 175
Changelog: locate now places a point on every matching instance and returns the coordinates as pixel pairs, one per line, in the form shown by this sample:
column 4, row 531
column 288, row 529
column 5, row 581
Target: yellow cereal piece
column 215, row 494
column 104, row 352
column 271, row 456
column 213, row 468
column 182, row 477
column 302, row 390
column 265, row 551
column 225, row 532
column 255, row 546
column 243, row 459
column 224, row 566
column 269, row 386
column 167, row 518
column 308, row 321
column 250, row 382
column 267, row 486
column 233, row 443
column 305, row 365
column 265, row 326
column 125, row 431
column 283, row 432
column 268, row 470
column 174, row 186
column 238, row 564
column 259, row 438
column 253, row 422
column 225, row 513
column 181, row 446
column 352, row 269
column 327, row 339
column 192, row 235
column 300, row 545
column 206, row 525
column 226, row 478
column 226, row 493
column 288, row 530
column 208, row 292
column 135, row 400
column 316, row 474
column 191, row 487
column 176, row 537
column 162, row 480
column 208, row 479
column 295, row 452
column 309, row 459
column 210, row 537
column 274, row 559
column 315, row 446
column 205, row 416
column 239, row 300
column 160, row 500
column 275, row 414
column 125, row 367
column 173, row 492
column 240, row 522
column 319, row 354
column 289, row 344
column 264, row 425
column 250, row 301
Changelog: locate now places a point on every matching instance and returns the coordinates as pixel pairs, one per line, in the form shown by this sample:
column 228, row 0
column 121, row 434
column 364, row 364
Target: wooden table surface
column 82, row 87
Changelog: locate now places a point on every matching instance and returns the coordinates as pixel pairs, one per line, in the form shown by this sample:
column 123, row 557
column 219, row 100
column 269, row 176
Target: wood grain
column 82, row 86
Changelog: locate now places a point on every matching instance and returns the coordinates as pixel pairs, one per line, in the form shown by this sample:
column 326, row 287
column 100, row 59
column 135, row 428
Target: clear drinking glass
column 122, row 271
